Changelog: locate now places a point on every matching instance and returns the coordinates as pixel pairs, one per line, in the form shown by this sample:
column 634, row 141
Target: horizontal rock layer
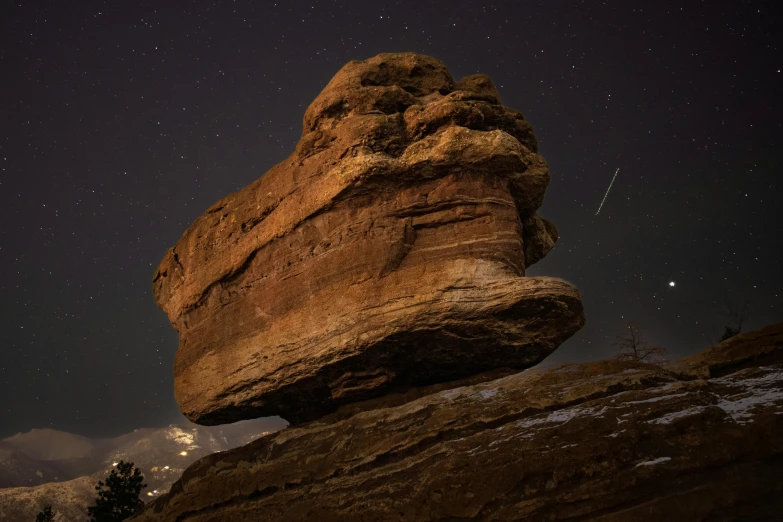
column 608, row 441
column 388, row 251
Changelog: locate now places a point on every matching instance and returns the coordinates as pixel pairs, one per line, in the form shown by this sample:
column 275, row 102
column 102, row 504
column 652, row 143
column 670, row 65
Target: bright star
column 671, row 283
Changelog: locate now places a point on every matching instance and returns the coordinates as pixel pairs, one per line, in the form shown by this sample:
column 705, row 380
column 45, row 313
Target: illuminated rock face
column 387, row 252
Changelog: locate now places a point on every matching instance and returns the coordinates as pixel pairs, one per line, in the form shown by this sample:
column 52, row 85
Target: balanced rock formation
column 387, row 252
column 605, row 441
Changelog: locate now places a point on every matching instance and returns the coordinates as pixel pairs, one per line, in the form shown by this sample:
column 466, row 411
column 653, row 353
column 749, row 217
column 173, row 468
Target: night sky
column 122, row 123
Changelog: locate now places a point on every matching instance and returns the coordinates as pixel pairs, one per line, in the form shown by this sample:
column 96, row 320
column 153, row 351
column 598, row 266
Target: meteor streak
column 607, row 190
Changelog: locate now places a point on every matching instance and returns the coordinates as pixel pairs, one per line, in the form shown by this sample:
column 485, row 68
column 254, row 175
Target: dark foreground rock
column 609, row 441
column 387, row 252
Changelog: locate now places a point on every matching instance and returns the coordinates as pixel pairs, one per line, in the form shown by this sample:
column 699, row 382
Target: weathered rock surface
column 608, row 441
column 387, row 252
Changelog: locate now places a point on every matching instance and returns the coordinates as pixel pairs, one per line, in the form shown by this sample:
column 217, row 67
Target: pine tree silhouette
column 46, row 515
column 118, row 498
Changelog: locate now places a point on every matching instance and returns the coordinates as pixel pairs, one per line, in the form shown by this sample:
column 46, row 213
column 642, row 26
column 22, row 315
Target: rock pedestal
column 606, row 441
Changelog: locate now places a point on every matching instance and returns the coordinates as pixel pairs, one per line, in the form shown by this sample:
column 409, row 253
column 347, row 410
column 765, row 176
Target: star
column 671, row 283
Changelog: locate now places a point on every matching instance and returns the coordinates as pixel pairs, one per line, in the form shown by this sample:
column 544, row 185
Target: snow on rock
column 654, row 462
column 739, row 397
column 487, row 394
column 656, row 399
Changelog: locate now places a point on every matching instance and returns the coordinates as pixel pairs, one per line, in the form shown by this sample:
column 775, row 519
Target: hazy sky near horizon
column 123, row 122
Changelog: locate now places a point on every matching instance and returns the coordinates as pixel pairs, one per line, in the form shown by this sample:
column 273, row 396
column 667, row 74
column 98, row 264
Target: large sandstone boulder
column 387, row 252
column 605, row 441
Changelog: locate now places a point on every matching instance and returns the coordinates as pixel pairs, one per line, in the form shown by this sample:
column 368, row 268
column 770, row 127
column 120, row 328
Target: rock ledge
column 606, row 441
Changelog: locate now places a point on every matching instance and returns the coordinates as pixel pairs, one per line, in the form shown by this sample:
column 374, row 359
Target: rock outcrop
column 387, row 252
column 608, row 441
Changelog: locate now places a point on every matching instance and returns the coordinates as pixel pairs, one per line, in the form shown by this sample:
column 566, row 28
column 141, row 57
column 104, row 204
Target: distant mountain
column 48, row 445
column 17, row 468
column 50, row 467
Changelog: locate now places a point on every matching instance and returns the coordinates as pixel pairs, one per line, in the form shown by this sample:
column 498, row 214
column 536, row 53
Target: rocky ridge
column 608, row 441
column 388, row 252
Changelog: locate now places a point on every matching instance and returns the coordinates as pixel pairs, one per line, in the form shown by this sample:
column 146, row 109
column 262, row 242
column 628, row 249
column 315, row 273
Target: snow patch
column 753, row 392
column 671, row 417
column 653, row 462
column 487, row 394
column 656, row 399
column 774, row 377
column 740, row 410
column 557, row 417
column 451, row 394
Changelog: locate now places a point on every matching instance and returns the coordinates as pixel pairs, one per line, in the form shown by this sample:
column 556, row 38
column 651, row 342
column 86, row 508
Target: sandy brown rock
column 608, row 441
column 387, row 252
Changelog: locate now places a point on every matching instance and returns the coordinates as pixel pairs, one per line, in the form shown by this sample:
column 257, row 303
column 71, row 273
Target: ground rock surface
column 608, row 441
column 387, row 252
